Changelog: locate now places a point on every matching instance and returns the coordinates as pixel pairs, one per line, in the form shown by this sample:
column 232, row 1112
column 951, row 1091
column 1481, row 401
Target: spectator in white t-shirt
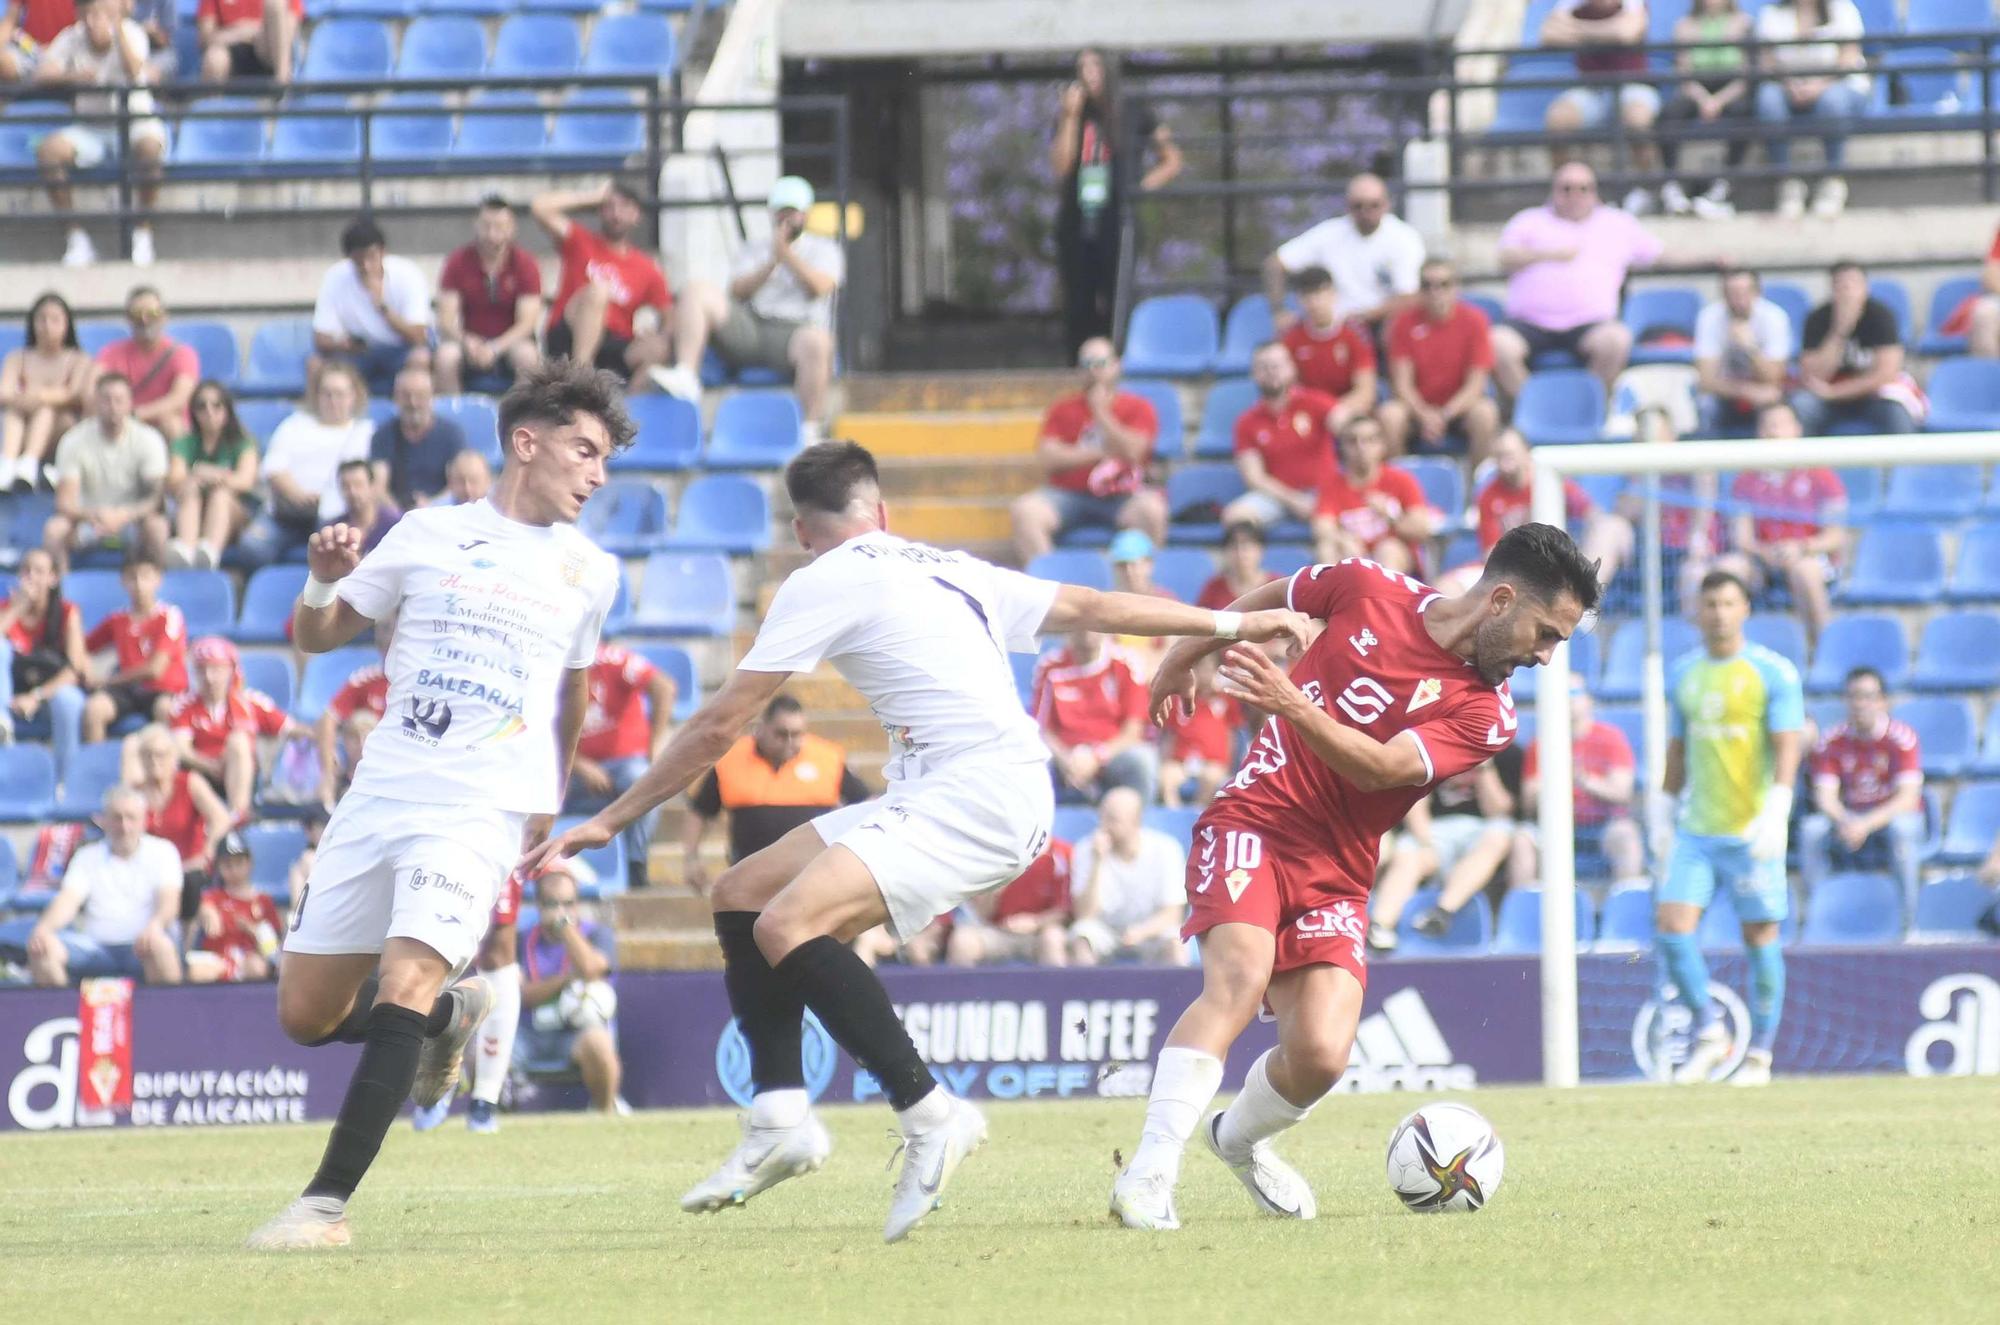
column 115, row 913
column 1130, row 889
column 1374, row 256
column 302, row 463
column 776, row 313
column 373, row 310
column 1822, row 75
column 1742, row 345
column 102, row 49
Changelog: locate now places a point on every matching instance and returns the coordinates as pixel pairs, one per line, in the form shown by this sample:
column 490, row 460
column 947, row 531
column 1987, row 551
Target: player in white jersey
column 923, row 634
column 497, row 607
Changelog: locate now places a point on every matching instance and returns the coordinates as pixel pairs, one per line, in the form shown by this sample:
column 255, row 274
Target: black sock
column 381, row 1083
column 855, row 1009
column 443, row 1013
column 353, row 1029
column 769, row 1012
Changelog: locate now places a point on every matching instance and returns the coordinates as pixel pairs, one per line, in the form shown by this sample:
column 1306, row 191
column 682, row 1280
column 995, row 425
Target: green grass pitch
column 1864, row 1200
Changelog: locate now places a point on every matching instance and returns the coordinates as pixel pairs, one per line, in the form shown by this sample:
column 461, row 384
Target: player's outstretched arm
column 322, row 620
column 1173, row 679
column 1078, row 608
column 701, row 740
column 1369, row 764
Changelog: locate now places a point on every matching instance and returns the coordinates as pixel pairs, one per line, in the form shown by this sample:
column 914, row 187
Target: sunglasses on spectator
column 1095, row 360
column 146, row 315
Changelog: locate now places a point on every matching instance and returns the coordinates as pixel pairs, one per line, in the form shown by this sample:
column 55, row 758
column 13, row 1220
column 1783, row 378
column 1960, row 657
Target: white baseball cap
column 791, row 192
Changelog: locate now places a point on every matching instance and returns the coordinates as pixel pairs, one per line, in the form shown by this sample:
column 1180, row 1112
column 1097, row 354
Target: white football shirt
column 489, row 614
column 121, row 894
column 924, row 635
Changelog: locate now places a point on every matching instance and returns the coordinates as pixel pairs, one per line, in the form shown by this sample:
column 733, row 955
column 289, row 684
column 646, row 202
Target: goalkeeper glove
column 1767, row 831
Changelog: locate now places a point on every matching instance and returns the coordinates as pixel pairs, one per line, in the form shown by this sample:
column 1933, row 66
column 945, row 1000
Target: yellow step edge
column 1011, row 433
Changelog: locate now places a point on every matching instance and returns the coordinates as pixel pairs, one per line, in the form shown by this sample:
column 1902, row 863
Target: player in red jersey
column 1402, row 688
column 218, row 722
column 239, row 925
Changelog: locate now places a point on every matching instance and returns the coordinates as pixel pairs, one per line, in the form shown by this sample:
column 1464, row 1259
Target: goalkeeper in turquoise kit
column 1735, row 713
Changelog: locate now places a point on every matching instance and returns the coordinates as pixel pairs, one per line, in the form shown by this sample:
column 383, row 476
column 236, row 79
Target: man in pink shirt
column 1565, row 263
column 162, row 370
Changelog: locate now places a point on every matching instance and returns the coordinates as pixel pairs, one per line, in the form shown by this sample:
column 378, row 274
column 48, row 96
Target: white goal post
column 1554, row 464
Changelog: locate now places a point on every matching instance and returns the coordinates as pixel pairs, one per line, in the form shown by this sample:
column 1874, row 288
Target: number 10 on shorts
column 1241, row 853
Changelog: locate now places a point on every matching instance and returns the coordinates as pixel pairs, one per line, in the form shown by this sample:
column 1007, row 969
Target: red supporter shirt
column 228, row 13
column 136, row 642
column 1208, row 733
column 209, row 724
column 1297, row 448
column 1216, row 595
column 1598, row 753
column 367, row 689
column 179, row 822
column 151, row 372
column 42, row 20
column 1868, row 767
column 1043, row 887
column 1442, row 354
column 1502, row 507
column 1069, row 421
column 616, row 727
column 631, row 280
column 1328, row 360
column 1787, row 503
column 1350, row 507
column 240, row 917
column 24, row 635
column 486, row 303
column 1088, row 703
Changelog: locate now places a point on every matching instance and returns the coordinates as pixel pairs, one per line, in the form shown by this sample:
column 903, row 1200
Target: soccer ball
column 587, row 1003
column 1445, row 1157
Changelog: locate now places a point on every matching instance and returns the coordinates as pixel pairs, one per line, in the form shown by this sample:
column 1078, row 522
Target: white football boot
column 929, row 1159
column 307, row 1224
column 1709, row 1051
column 1144, row 1200
column 1276, row 1187
column 764, row 1158
column 1754, row 1070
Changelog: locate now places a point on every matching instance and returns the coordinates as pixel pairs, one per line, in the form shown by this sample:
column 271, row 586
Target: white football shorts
column 397, row 869
column 936, row 841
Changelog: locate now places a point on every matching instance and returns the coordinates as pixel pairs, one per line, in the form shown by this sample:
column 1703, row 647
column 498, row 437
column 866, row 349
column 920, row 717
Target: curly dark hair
column 556, row 391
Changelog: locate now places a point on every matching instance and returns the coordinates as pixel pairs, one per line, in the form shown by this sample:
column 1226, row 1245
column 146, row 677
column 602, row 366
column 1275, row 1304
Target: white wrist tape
column 1228, row 624
column 318, row 593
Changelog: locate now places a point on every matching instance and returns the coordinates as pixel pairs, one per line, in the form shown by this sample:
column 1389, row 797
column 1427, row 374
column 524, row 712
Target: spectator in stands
column 1823, row 77
column 1026, row 921
column 247, row 38
column 237, row 927
column 1130, row 889
column 1977, row 316
column 776, row 312
column 1199, row 744
column 217, row 723
column 1788, row 525
column 1851, row 362
column 42, row 390
column 102, row 49
column 1283, row 443
column 26, row 29
column 373, row 309
column 314, row 823
column 1868, row 792
column 343, row 727
column 1689, row 530
column 1604, row 799
column 489, row 304
column 1334, row 356
column 212, row 476
column 302, row 463
column 1505, row 502
column 1714, row 68
column 122, row 893
column 163, row 371
column 563, row 949
column 631, row 715
column 923, row 948
column 1609, row 37
column 1440, row 363
column 43, row 662
column 468, row 478
column 605, row 283
column 1131, row 554
column 366, row 508
column 1566, row 263
column 1742, row 349
column 1461, row 835
column 413, row 451
column 149, row 639
column 1242, row 567
column 1373, row 255
column 181, row 806
column 1094, row 451
column 157, row 19
column 111, row 475
column 1090, row 201
column 771, row 781
column 1092, row 709
column 1368, row 508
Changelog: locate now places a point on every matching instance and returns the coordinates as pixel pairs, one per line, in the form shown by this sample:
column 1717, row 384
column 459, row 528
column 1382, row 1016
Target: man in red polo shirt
column 1092, row 709
column 1788, row 526
column 217, row 723
column 1604, row 779
column 247, row 38
column 1094, row 451
column 1504, row 502
column 150, row 640
column 1368, row 508
column 1027, row 921
column 1332, row 356
column 489, row 302
column 1284, row 443
column 605, row 283
column 1440, row 361
column 631, row 715
column 1868, row 791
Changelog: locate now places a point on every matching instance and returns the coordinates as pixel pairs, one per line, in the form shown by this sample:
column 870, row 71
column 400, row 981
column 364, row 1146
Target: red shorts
column 1235, row 876
column 507, row 909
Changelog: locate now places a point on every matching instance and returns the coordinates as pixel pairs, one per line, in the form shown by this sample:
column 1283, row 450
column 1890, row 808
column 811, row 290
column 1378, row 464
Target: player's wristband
column 1228, row 624
column 318, row 593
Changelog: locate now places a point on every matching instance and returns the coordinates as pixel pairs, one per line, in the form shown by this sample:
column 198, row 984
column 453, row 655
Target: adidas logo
column 1401, row 1048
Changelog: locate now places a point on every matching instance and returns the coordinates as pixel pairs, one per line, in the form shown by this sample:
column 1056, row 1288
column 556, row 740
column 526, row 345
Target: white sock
column 1184, row 1081
column 779, row 1108
column 1258, row 1113
column 493, row 1046
column 926, row 1113
column 182, row 553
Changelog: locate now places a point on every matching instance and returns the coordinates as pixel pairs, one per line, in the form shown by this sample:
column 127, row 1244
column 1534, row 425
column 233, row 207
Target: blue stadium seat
column 1943, row 724
column 1519, row 927
column 229, row 144
column 417, row 127
column 1560, row 407
column 621, row 607
column 23, row 124
column 1247, row 326
column 1864, row 492
column 1791, row 297
column 1945, row 299
column 261, row 417
column 1523, row 110
column 1074, row 823
column 754, row 430
column 1662, row 322
column 1165, row 398
column 1897, row 296
column 1956, row 17
column 599, row 122
column 469, row 8
column 724, row 512
column 27, row 513
column 1627, row 718
column 326, row 673
column 1084, row 566
column 1721, row 930
column 1912, row 85
column 1177, row 824
column 627, row 517
column 442, row 46
column 477, row 418
column 1986, row 763
column 685, row 593
column 1783, row 635
column 274, row 845
column 1182, row 571
column 1958, row 651
column 1461, row 548
column 606, row 862
column 27, row 783
column 276, row 365
column 1443, row 483
column 1974, row 824
column 1951, row 908
column 518, row 126
column 1286, row 559
column 579, row 8
column 1965, row 397
column 1625, row 656
column 537, row 45
column 206, row 598
column 1627, row 919
column 1196, row 495
column 1976, row 578
column 1471, row 929
column 303, row 139
column 1854, row 908
column 347, row 50
column 272, row 674
column 1024, row 665
column 96, row 593
column 214, row 344
column 1895, row 563
column 93, row 334
column 1172, row 335
column 10, row 871
column 91, row 771
column 631, row 44
column 1868, row 639
column 267, row 604
column 677, row 663
column 669, row 435
column 1225, row 402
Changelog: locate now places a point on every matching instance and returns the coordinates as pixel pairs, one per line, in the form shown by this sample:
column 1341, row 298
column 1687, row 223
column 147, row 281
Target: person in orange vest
column 770, row 782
